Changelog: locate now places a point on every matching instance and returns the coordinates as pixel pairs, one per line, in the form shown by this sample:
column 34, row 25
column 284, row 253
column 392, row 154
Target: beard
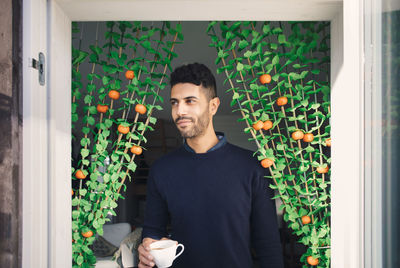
column 198, row 126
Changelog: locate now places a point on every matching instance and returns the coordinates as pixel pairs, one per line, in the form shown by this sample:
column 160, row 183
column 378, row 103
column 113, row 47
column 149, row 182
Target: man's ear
column 214, row 104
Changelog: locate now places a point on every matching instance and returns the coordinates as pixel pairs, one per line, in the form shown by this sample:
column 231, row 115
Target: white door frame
column 47, row 113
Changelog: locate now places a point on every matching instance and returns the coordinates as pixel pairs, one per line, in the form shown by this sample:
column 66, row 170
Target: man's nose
column 181, row 110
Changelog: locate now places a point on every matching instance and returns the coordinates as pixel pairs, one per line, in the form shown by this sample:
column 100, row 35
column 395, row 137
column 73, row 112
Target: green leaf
column 108, row 123
column 106, row 80
column 82, row 192
column 302, row 212
column 84, row 152
column 113, row 204
column 92, row 110
column 90, row 120
column 152, row 120
column 276, row 30
column 75, row 214
column 304, row 103
column 310, row 149
column 79, row 260
column 75, row 201
column 315, row 106
column 266, row 29
column 132, row 166
column 243, row 44
column 280, row 147
column 74, row 117
column 315, row 71
column 88, row 99
column 96, row 49
column 210, row 25
column 247, row 54
column 239, row 67
column 80, row 58
column 96, row 224
column 295, row 226
column 275, row 60
column 106, row 178
column 281, row 39
column 114, row 157
column 99, row 148
column 85, row 130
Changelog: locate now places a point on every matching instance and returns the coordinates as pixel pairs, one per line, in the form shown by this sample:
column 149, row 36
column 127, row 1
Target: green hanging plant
column 278, row 85
column 118, row 85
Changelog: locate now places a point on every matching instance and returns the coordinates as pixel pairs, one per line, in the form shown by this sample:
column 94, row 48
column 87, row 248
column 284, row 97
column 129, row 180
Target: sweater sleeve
column 156, row 213
column 264, row 226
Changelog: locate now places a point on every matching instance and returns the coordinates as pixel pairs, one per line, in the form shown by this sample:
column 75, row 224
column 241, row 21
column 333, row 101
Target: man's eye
column 190, row 101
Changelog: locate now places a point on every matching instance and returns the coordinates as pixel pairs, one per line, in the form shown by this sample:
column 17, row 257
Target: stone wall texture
column 10, row 132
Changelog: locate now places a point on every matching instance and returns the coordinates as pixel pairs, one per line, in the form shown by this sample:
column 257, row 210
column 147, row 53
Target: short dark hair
column 198, row 74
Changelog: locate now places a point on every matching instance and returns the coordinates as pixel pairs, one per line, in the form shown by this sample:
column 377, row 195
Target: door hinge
column 39, row 65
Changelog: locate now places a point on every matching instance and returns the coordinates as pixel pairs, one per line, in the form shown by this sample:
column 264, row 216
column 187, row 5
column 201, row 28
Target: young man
column 213, row 192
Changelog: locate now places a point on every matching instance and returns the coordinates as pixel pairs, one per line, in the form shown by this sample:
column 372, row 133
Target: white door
column 46, row 228
column 35, row 229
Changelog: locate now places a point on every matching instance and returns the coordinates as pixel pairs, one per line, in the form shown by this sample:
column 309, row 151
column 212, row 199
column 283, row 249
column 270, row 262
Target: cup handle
column 183, row 248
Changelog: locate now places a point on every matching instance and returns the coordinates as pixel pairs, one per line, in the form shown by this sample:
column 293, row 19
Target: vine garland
column 279, row 81
column 117, row 86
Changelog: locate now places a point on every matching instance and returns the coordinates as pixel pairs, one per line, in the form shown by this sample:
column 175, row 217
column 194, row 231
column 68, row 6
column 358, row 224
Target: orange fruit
column 72, row 192
column 308, row 137
column 267, row 125
column 305, row 219
column 140, row 108
column 113, row 94
column 322, row 170
column 266, row 162
column 281, row 101
column 312, row 261
column 297, row 135
column 129, row 74
column 265, row 79
column 102, row 108
column 123, row 129
column 79, row 174
column 328, row 142
column 87, row 234
column 258, row 125
column 136, row 149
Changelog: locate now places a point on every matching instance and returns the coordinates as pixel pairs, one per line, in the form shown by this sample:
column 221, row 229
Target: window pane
column 391, row 132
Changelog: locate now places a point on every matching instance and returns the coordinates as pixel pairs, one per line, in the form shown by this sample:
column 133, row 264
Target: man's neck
column 201, row 144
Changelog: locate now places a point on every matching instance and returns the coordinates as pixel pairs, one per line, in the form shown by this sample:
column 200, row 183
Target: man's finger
column 146, row 263
column 145, row 257
column 144, row 252
column 141, row 265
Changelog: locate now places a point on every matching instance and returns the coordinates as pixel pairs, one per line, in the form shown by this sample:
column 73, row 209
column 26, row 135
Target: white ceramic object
column 164, row 252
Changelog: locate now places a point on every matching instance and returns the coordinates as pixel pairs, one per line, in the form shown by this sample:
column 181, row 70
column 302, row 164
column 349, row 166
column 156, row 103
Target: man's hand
column 145, row 258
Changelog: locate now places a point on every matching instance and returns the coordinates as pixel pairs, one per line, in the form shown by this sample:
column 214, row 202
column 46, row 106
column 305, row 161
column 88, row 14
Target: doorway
column 62, row 12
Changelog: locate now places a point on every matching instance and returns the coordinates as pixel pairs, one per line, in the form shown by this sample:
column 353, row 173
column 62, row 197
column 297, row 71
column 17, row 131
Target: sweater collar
column 221, row 137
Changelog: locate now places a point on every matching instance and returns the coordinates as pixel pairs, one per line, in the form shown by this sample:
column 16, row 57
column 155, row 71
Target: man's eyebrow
column 189, row 97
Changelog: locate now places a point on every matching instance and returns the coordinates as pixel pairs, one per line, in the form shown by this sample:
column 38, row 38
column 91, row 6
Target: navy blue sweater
column 219, row 205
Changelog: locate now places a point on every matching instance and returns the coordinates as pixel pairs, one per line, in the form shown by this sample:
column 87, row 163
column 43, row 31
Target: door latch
column 39, row 65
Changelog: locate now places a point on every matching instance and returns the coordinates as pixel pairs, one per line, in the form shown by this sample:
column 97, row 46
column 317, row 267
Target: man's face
column 190, row 109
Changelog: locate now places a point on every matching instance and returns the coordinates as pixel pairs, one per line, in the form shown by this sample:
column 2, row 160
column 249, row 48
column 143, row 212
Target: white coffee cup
column 164, row 252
